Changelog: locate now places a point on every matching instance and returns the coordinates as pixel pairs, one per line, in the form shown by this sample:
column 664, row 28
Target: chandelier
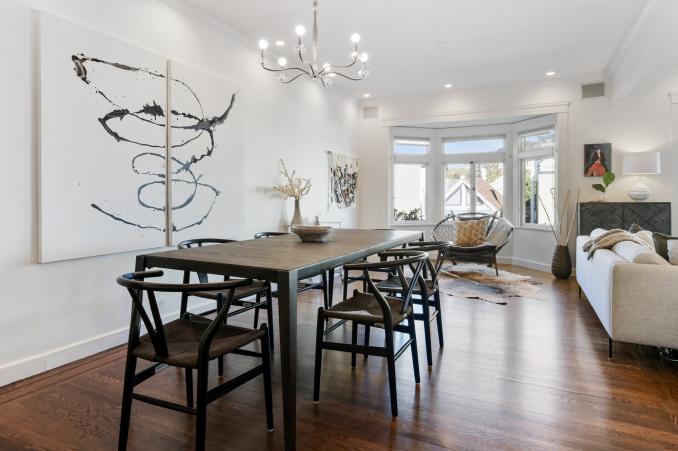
column 311, row 69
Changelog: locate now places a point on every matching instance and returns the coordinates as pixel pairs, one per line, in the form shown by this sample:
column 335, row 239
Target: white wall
column 641, row 122
column 56, row 313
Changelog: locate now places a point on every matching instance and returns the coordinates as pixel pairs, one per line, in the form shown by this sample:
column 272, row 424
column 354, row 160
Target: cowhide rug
column 476, row 281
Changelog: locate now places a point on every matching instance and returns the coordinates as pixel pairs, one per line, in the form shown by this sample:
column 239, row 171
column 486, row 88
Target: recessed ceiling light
column 366, row 95
column 279, row 43
column 448, row 85
column 550, row 73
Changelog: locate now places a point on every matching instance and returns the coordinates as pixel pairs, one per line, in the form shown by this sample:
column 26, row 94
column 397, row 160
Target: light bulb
column 263, row 44
column 448, row 85
column 282, row 62
column 364, row 57
column 300, row 30
column 355, row 38
column 550, row 73
column 366, row 95
column 279, row 43
column 327, row 67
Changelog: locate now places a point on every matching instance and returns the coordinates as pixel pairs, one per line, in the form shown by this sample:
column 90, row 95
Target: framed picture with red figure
column 597, row 159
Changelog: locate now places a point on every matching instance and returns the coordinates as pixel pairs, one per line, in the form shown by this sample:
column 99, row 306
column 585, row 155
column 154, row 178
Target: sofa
column 634, row 293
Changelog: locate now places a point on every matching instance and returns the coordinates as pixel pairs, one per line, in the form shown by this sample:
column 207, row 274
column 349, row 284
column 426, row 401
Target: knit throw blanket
column 609, row 239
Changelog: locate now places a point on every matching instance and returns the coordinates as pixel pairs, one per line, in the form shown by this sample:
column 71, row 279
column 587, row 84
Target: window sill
column 535, row 228
column 411, row 224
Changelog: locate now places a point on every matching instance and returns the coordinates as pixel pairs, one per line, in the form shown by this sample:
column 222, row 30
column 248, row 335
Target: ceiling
column 418, row 46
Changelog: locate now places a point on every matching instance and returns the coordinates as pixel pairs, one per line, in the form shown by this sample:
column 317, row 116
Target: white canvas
column 207, row 155
column 102, row 143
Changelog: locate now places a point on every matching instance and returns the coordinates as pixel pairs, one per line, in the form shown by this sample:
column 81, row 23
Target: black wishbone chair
column 189, row 342
column 427, row 295
column 326, row 286
column 372, row 308
column 248, row 296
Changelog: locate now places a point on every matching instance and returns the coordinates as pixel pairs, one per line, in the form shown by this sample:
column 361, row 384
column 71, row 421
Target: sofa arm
column 645, row 304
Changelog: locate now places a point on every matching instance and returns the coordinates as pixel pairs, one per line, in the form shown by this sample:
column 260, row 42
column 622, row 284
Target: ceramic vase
column 297, row 218
column 561, row 265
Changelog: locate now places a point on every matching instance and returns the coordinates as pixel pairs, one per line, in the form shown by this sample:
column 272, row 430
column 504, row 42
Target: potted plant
column 561, row 264
column 296, row 187
column 608, row 178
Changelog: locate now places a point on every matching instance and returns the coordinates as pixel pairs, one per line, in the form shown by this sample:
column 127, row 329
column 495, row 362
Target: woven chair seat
column 364, row 308
column 478, row 249
column 256, row 287
column 183, row 339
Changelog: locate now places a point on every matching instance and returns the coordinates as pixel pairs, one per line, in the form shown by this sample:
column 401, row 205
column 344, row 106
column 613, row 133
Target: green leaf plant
column 608, row 178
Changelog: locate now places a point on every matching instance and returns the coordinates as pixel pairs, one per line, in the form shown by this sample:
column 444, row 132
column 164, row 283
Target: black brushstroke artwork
column 192, row 125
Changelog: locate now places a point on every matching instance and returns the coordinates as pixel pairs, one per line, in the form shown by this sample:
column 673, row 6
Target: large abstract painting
column 207, row 155
column 343, row 179
column 105, row 146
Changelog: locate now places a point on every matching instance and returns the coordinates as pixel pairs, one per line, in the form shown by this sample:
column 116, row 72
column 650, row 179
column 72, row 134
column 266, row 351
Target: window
column 471, row 185
column 410, row 179
column 537, row 171
column 473, row 146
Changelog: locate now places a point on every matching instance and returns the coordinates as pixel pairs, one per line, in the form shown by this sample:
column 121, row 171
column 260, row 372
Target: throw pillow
column 661, row 244
column 595, row 233
column 672, row 246
column 646, row 237
column 635, row 228
column 471, row 232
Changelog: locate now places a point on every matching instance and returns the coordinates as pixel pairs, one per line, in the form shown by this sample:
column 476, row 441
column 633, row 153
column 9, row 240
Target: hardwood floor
column 532, row 374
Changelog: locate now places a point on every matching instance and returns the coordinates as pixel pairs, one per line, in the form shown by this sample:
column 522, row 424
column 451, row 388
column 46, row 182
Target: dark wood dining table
column 284, row 260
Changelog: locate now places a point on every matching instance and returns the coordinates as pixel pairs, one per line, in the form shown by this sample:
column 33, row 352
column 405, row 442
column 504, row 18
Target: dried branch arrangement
column 295, row 187
column 562, row 229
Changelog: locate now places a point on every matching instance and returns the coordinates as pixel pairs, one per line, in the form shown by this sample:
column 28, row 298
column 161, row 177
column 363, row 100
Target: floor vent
column 593, row 90
column 370, row 112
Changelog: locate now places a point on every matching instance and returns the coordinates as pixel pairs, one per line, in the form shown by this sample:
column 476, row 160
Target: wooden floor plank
column 532, row 374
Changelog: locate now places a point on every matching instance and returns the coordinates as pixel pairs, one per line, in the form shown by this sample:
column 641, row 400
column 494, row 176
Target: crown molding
column 481, row 113
column 641, row 22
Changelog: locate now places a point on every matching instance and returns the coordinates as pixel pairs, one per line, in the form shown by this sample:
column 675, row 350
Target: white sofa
column 635, row 302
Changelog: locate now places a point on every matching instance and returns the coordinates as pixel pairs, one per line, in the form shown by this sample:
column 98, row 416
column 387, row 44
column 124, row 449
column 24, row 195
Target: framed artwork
column 343, row 179
column 597, row 159
column 104, row 144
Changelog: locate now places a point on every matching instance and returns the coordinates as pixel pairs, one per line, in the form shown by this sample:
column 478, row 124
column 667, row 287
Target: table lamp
column 640, row 164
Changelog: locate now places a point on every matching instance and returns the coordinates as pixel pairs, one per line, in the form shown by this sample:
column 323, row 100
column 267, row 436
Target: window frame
column 414, row 159
column 529, row 155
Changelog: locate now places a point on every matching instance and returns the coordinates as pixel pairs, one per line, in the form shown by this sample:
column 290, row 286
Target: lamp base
column 639, row 192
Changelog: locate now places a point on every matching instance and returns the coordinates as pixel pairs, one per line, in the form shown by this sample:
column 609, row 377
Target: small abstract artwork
column 597, row 159
column 343, row 179
column 105, row 146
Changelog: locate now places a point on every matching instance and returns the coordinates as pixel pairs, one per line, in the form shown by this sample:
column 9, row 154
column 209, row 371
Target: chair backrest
column 446, row 230
column 500, row 233
column 200, row 242
column 402, row 258
column 269, row 234
column 439, row 247
column 136, row 286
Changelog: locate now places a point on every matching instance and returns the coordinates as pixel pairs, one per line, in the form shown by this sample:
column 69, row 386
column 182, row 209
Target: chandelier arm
column 346, row 76
column 286, row 69
column 348, row 65
column 291, row 79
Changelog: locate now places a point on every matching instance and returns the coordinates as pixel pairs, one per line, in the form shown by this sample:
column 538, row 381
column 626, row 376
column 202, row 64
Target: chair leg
column 126, row 411
column 256, row 313
column 269, row 316
column 390, row 358
column 201, row 409
column 268, row 393
column 325, row 300
column 415, row 352
column 496, row 267
column 220, row 360
column 345, row 284
column 318, row 355
column 184, row 296
column 439, row 318
column 609, row 347
column 189, row 387
column 427, row 328
column 330, row 288
column 354, row 341
column 367, row 338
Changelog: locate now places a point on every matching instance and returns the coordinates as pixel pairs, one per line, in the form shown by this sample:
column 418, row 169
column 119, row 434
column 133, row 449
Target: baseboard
column 538, row 266
column 54, row 358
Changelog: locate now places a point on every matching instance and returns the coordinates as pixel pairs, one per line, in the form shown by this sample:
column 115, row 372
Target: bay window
column 410, row 179
column 537, row 172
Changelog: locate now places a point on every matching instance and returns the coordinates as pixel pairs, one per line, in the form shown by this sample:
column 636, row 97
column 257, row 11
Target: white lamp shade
column 641, row 163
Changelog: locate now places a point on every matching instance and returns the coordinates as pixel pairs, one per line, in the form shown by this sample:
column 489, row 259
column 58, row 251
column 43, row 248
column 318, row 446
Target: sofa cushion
column 646, row 237
column 672, row 246
column 637, row 253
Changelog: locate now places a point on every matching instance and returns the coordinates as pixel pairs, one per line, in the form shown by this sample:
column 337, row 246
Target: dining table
column 283, row 260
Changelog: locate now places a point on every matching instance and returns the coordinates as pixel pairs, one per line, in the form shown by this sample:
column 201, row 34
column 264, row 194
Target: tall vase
column 297, row 219
column 561, row 265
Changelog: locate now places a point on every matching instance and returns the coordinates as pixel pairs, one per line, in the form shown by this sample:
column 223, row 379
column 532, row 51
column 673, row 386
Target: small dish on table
column 311, row 233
